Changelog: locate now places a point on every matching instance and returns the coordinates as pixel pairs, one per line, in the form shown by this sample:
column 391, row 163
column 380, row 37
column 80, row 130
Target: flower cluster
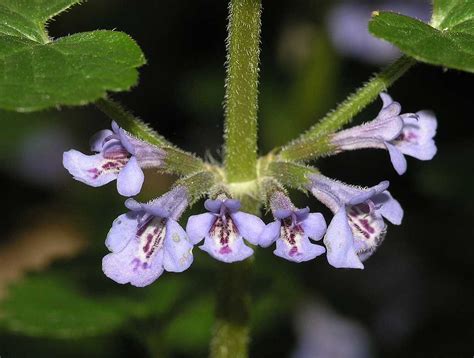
column 148, row 240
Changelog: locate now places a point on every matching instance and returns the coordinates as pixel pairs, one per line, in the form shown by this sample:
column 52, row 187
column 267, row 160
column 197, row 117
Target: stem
column 241, row 99
column 129, row 122
column 231, row 333
column 290, row 174
column 177, row 161
column 231, row 330
column 306, row 146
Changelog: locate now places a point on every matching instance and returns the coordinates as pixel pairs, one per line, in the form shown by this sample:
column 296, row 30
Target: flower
column 119, row 156
column 410, row 133
column 148, row 240
column 223, row 229
column 291, row 230
column 357, row 228
column 415, row 140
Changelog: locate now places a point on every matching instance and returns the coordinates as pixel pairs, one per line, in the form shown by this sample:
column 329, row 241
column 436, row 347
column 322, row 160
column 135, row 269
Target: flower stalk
column 231, row 330
column 177, row 161
column 241, row 98
column 314, row 142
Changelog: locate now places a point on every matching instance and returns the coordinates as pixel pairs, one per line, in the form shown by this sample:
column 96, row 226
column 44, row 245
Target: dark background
column 413, row 299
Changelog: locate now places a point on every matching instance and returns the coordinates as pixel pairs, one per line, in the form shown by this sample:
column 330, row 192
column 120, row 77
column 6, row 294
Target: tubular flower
column 119, row 156
column 410, row 133
column 357, row 227
column 148, row 240
column 292, row 229
column 223, row 228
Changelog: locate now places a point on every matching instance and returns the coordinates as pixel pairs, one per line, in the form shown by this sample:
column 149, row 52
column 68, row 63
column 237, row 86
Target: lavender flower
column 119, row 156
column 357, row 227
column 223, row 230
column 148, row 240
column 410, row 133
column 291, row 230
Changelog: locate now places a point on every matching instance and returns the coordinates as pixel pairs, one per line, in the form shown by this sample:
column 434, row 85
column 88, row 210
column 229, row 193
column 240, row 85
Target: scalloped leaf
column 37, row 72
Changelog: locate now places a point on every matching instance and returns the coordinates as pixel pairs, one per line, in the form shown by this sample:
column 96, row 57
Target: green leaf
column 49, row 306
column 37, row 72
column 191, row 329
column 450, row 43
column 448, row 14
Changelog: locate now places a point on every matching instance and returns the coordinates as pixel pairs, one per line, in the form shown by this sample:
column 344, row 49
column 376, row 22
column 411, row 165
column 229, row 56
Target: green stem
column 176, row 161
column 291, row 174
column 307, row 146
column 129, row 122
column 231, row 329
column 241, row 105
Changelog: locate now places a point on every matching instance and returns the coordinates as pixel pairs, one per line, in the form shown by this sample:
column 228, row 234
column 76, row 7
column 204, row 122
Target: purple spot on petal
column 293, row 251
column 225, row 250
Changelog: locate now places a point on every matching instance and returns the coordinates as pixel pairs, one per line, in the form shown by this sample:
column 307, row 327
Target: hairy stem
column 231, row 331
column 129, row 122
column 241, row 99
column 307, row 146
column 177, row 161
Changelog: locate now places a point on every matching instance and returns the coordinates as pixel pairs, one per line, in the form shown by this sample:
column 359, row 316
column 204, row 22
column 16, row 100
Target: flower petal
column 236, row 251
column 314, row 226
column 390, row 107
column 124, row 267
column 178, row 254
column 339, row 243
column 417, row 136
column 282, row 213
column 97, row 140
column 171, row 204
column 232, row 205
column 148, row 155
column 198, row 226
column 270, row 233
column 87, row 168
column 249, row 226
column 123, row 229
column 214, row 206
column 305, row 250
column 398, row 160
column 389, row 207
column 130, row 178
column 386, row 99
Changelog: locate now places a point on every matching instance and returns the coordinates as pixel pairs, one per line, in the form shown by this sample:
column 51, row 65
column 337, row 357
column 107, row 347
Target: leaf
column 191, row 329
column 37, row 72
column 450, row 43
column 447, row 14
column 49, row 306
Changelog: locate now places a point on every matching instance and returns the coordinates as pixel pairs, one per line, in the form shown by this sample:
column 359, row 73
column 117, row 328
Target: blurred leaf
column 37, row 73
column 309, row 93
column 191, row 329
column 451, row 44
column 49, row 306
column 158, row 298
column 59, row 309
